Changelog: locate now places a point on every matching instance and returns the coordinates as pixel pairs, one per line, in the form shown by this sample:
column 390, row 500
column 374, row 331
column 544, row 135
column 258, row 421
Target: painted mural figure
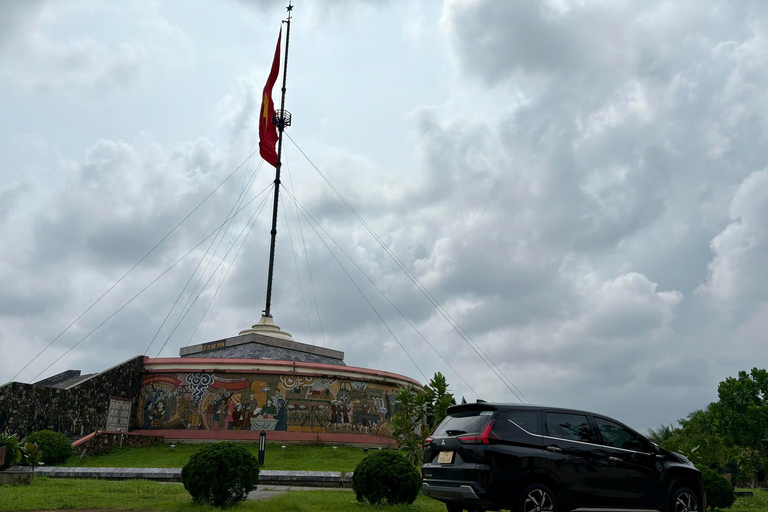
column 158, row 415
column 269, row 410
column 345, row 413
column 220, row 410
column 282, row 416
column 237, row 417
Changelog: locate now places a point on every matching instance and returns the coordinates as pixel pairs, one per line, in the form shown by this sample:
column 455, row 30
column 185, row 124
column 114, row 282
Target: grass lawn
column 758, row 502
column 61, row 494
column 56, row 494
column 294, row 457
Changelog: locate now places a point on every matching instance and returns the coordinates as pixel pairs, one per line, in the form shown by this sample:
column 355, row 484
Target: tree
column 699, row 439
column 742, row 409
column 419, row 413
column 438, row 399
column 408, row 424
column 741, row 414
column 662, row 433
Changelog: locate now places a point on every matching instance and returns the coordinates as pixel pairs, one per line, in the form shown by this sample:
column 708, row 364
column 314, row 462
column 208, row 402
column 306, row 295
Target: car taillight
column 484, row 438
column 427, row 442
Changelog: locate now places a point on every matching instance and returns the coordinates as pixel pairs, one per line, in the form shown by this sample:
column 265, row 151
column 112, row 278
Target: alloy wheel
column 538, row 501
column 686, row 502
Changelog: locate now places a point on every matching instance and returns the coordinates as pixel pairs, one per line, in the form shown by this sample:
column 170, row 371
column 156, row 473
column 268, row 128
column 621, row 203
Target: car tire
column 537, row 498
column 684, row 500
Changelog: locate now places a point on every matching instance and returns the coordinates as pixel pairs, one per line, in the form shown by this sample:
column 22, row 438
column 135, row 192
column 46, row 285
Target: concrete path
column 264, row 492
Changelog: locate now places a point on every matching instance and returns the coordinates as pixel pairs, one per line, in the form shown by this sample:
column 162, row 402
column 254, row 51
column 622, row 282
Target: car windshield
column 463, row 423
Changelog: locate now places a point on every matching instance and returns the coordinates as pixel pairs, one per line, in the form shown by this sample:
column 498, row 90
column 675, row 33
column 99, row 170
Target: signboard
column 119, row 415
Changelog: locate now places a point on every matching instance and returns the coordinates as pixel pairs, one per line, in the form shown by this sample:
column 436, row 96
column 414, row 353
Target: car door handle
column 615, row 459
column 554, row 448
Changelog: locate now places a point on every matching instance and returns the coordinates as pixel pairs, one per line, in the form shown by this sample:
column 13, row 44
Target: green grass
column 758, row 502
column 55, row 494
column 294, row 457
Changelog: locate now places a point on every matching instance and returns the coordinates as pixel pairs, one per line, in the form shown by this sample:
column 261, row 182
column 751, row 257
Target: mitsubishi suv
column 525, row 458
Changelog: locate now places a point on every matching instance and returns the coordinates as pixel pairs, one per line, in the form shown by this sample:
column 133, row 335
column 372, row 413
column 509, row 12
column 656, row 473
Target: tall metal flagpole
column 281, row 120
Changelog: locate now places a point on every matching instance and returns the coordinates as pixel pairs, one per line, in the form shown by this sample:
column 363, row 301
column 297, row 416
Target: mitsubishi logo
column 442, row 442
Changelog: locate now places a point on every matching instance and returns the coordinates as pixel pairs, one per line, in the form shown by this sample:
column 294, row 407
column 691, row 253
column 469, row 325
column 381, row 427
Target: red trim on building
column 272, row 436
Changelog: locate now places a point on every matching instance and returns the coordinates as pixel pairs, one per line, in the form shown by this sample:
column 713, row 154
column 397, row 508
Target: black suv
column 526, row 458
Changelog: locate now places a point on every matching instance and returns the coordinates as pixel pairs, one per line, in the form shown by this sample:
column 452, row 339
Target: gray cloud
column 583, row 191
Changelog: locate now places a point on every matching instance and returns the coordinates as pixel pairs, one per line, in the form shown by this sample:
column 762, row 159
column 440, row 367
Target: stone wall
column 77, row 411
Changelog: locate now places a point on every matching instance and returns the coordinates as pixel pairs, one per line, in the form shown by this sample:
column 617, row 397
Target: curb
column 266, row 477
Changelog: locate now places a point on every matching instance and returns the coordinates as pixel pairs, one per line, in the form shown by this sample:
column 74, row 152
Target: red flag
column 268, row 131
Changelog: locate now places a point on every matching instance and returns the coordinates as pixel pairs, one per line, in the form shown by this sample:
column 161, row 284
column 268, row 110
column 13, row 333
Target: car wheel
column 537, row 498
column 684, row 500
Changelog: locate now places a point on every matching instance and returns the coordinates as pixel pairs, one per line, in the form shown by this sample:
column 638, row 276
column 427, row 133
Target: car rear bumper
column 444, row 491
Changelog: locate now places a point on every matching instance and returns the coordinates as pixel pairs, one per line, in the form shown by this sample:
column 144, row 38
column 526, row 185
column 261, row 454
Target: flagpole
column 281, row 119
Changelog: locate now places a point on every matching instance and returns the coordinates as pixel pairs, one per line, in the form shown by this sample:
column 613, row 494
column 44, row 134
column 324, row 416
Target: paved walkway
column 264, row 492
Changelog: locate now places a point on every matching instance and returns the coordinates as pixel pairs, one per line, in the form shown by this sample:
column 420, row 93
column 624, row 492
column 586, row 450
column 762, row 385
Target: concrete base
column 20, row 476
column 266, row 477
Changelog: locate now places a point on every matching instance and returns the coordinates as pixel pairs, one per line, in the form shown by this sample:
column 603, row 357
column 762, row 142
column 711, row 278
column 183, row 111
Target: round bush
column 55, row 446
column 719, row 491
column 386, row 476
column 221, row 474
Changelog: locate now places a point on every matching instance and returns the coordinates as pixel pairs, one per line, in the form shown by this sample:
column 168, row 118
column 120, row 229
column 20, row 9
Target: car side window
column 619, row 436
column 509, row 423
column 574, row 427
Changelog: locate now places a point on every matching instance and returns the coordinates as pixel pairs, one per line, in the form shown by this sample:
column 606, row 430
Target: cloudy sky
column 582, row 186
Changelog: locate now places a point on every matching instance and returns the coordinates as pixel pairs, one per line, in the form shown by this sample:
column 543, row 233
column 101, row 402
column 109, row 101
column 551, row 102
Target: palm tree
column 662, row 433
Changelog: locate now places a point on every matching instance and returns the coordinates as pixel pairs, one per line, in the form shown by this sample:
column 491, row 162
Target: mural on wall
column 204, row 401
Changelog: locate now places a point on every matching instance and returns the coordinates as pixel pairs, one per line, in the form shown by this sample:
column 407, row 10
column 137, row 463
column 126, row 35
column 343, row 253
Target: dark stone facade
column 260, row 351
column 75, row 411
column 258, row 346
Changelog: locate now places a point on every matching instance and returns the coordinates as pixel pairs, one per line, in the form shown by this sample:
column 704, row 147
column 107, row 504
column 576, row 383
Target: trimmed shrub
column 719, row 490
column 386, row 476
column 55, row 446
column 221, row 474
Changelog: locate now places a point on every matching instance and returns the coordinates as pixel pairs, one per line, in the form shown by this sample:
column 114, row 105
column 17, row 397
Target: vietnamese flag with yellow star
column 267, row 130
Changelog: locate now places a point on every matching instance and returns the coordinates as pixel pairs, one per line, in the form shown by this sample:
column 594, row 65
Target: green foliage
column 418, row 414
column 661, row 434
column 13, row 450
column 32, row 455
column 437, row 399
column 386, row 477
column 221, row 474
column 719, row 491
column 742, row 416
column 699, row 438
column 409, row 427
column 55, row 446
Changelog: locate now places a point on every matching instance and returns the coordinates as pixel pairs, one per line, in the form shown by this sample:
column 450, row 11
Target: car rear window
column 462, row 423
